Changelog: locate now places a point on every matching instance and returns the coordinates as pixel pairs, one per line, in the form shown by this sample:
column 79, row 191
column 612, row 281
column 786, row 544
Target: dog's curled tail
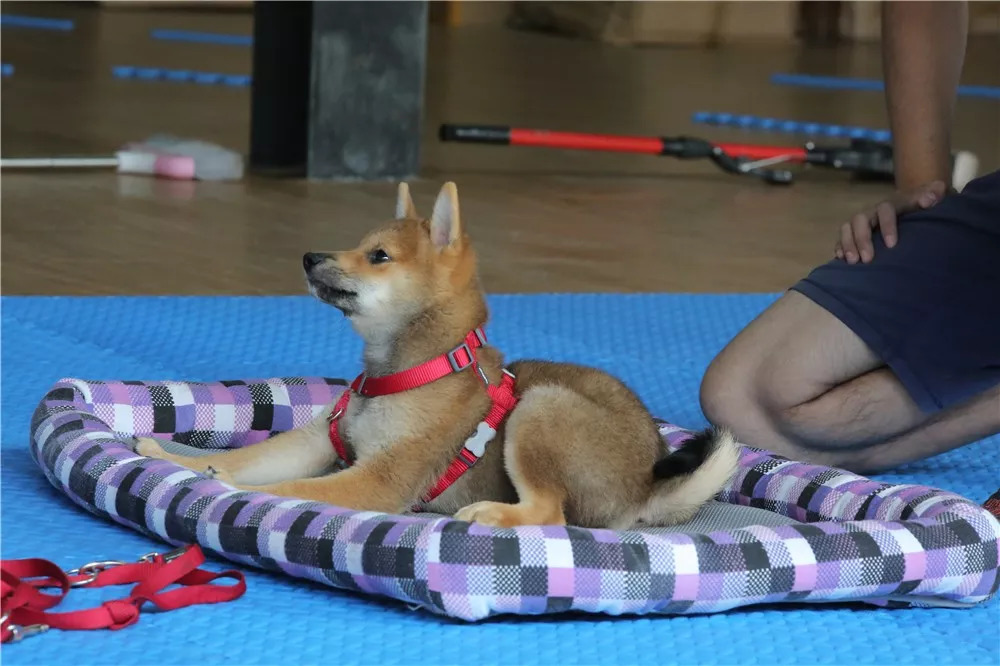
column 691, row 476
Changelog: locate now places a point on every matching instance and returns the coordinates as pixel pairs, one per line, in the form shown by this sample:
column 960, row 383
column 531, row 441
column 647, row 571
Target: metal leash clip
column 18, row 632
column 92, row 570
column 168, row 556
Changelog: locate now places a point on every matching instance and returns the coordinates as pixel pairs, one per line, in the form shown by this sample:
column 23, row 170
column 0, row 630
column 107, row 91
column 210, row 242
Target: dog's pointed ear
column 446, row 224
column 405, row 210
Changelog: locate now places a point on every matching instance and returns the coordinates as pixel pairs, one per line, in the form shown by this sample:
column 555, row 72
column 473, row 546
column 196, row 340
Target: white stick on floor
column 57, row 162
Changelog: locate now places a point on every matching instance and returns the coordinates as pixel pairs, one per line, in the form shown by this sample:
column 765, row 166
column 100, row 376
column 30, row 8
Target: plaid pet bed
column 860, row 540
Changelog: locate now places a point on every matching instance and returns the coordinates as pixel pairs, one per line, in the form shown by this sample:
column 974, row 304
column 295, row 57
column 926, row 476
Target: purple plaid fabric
column 860, row 540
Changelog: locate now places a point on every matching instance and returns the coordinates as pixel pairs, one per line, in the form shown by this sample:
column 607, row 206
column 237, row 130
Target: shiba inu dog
column 438, row 422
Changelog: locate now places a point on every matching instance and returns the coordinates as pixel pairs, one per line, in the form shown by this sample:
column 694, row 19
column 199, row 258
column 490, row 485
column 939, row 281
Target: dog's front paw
column 146, row 446
column 219, row 475
column 494, row 514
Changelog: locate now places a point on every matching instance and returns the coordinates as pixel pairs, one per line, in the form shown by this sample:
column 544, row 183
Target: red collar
column 458, row 359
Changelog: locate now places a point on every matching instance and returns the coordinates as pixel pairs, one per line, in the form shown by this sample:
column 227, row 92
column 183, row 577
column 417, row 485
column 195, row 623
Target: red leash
column 24, row 608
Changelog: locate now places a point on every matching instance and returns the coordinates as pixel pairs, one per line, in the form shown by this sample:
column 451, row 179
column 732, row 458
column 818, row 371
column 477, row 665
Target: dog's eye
column 378, row 256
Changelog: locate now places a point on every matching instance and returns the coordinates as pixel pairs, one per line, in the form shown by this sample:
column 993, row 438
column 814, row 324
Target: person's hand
column 855, row 242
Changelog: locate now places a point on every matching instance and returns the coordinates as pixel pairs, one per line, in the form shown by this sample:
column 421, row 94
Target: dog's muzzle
column 312, row 259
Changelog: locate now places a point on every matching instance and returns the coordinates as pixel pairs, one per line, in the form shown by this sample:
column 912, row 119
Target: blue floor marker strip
column 181, row 76
column 282, row 620
column 758, row 123
column 846, row 83
column 201, row 37
column 37, row 22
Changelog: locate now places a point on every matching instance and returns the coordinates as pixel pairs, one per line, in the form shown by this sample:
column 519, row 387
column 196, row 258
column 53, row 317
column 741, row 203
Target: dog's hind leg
column 535, row 508
column 532, row 437
column 573, row 460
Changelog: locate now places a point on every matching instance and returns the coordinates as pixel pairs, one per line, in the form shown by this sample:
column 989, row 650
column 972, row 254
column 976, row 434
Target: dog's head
column 401, row 269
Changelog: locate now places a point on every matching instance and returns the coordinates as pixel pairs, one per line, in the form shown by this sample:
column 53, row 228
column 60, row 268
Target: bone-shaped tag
column 484, row 435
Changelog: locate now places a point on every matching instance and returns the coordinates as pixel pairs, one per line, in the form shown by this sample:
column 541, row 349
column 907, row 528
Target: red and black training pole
column 861, row 157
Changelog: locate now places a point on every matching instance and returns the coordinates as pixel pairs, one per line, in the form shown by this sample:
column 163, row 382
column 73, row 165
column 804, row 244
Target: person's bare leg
column 962, row 424
column 800, row 383
column 857, row 413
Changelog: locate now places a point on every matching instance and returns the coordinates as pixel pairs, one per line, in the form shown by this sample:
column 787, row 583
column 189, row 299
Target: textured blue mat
column 286, row 621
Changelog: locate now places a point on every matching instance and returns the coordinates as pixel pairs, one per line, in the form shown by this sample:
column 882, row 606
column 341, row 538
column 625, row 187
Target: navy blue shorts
column 930, row 307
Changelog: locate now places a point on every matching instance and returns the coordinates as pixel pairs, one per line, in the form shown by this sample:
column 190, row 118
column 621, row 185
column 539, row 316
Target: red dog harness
column 457, row 360
column 25, row 609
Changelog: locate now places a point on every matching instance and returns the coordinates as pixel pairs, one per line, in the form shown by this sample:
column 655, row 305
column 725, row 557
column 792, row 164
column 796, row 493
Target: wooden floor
column 543, row 220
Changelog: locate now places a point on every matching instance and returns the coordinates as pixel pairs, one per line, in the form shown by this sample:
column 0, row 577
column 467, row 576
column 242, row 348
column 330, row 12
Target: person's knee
column 726, row 394
column 711, row 393
column 736, row 394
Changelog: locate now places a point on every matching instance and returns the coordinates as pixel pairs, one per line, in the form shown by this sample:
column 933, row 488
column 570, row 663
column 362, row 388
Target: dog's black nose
column 310, row 259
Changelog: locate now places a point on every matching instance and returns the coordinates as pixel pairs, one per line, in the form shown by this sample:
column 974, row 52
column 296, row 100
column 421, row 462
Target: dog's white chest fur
column 375, row 423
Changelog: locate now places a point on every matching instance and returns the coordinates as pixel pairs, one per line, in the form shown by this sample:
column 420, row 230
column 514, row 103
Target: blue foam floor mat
column 282, row 620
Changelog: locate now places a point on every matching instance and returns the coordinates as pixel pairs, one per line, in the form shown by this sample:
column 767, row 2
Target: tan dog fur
column 579, row 447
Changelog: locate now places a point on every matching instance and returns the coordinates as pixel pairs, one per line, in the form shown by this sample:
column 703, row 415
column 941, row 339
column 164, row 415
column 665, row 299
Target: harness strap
column 461, row 357
column 23, row 607
column 475, row 447
column 334, row 420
